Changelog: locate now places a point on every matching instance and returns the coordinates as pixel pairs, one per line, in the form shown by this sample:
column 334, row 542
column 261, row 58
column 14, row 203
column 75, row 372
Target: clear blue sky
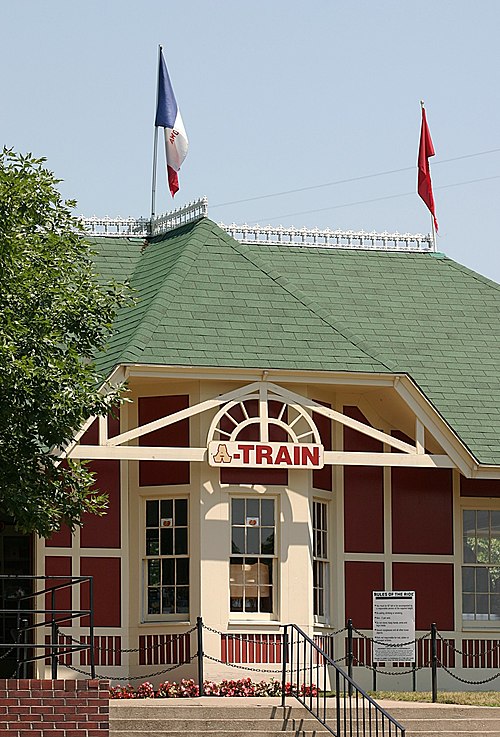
column 275, row 95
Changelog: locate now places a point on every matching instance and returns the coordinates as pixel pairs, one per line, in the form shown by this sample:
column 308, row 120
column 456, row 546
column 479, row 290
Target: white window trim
column 161, row 618
column 249, row 618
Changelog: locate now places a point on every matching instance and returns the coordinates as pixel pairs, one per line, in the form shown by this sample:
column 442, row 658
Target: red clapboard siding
column 264, row 476
column 58, row 566
column 433, row 586
column 104, row 532
column 322, row 477
column 107, row 590
column 164, row 649
column 61, row 539
column 164, row 473
column 480, row 487
column 422, row 511
column 363, row 494
column 241, row 648
column 361, row 578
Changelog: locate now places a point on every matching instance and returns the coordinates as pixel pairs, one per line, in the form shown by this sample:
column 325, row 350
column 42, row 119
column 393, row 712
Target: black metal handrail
column 314, row 675
column 34, row 618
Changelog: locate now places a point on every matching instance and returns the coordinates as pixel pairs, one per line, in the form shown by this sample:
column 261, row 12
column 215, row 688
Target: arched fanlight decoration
column 263, row 417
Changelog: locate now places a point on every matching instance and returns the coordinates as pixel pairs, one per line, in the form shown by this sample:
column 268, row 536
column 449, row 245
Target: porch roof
column 203, row 299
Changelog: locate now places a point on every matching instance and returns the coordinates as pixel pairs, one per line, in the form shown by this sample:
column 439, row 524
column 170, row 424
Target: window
column 166, row 561
column 252, row 555
column 481, row 569
column 320, row 559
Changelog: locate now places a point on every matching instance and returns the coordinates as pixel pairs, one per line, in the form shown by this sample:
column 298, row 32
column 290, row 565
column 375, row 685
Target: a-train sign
column 257, row 455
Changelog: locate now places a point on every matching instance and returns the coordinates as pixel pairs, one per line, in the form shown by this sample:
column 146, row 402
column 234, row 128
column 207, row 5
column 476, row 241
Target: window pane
column 253, row 540
column 236, row 593
column 495, row 606
column 153, row 572
column 469, row 522
column 482, row 606
column 267, row 509
column 483, row 522
column 168, row 572
column 167, row 599
column 267, row 541
column 252, row 507
column 482, row 550
column 467, row 579
column 152, row 542
column 166, row 507
column 469, row 549
column 238, row 540
column 153, row 601
column 181, row 541
column 482, row 580
column 152, row 519
column 251, row 604
column 266, row 601
column 182, row 571
column 238, row 511
column 468, row 604
column 167, row 544
column 182, row 599
column 181, row 519
column 495, row 524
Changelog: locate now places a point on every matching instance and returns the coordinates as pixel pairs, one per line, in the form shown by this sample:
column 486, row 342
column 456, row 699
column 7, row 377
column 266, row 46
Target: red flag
column 425, row 151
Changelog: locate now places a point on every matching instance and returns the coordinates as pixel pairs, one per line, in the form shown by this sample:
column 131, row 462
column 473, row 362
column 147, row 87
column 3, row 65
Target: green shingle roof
column 203, row 299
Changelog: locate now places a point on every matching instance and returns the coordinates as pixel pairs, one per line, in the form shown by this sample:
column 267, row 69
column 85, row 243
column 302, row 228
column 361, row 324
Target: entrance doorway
column 16, row 559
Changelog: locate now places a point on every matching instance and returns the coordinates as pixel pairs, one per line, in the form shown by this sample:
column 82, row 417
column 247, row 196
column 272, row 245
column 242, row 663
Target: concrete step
column 265, row 717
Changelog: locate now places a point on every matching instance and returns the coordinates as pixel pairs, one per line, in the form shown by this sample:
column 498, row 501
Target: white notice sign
column 394, row 626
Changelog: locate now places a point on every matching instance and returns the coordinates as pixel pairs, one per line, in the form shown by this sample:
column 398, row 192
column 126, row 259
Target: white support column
column 103, row 430
column 419, row 436
column 263, row 413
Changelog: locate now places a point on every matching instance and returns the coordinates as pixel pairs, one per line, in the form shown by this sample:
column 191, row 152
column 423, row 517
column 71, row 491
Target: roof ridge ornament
column 278, row 235
column 265, row 235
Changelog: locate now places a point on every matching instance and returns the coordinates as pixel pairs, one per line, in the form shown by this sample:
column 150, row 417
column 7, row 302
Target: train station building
column 310, row 416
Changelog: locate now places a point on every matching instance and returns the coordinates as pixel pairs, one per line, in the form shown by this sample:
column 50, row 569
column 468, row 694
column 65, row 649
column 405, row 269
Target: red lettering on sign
column 311, row 455
column 264, row 452
column 283, row 456
column 245, row 449
column 296, row 455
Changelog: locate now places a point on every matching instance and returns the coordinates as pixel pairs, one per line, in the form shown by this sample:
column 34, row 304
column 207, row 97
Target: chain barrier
column 385, row 672
column 242, row 666
column 469, row 683
column 173, row 638
column 468, row 655
column 2, row 657
column 135, row 678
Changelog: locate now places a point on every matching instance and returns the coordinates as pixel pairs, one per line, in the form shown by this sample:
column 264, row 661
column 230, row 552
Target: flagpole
column 155, row 151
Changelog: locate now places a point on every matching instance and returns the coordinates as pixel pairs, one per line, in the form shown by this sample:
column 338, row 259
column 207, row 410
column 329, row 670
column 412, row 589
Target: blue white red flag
column 168, row 117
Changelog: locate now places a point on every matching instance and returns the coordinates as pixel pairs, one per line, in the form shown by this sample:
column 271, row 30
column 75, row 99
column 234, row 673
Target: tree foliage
column 54, row 317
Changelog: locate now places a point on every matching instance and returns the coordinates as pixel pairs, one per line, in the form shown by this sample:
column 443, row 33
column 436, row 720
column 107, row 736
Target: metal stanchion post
column 434, row 661
column 285, row 658
column 199, row 631
column 53, row 636
column 350, row 656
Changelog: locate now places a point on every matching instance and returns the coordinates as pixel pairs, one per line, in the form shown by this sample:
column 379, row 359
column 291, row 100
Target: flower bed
column 188, row 688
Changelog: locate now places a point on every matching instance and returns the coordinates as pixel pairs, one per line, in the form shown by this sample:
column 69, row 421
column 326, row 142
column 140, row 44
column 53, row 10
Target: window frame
column 324, row 560
column 247, row 615
column 144, row 558
column 474, row 504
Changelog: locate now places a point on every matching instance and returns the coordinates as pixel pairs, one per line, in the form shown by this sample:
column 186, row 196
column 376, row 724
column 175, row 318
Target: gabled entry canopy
column 203, row 300
column 299, row 426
